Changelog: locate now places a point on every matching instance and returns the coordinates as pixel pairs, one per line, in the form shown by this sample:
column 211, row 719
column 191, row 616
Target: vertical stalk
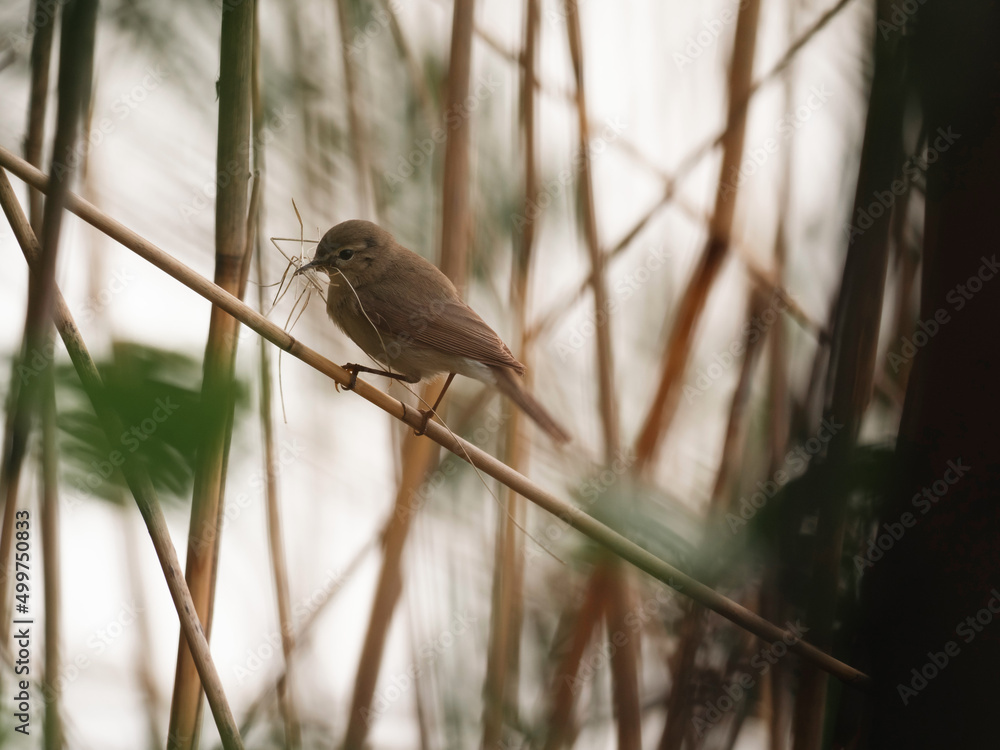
column 76, row 57
column 279, row 566
column 692, row 304
column 53, row 739
column 500, row 690
column 233, row 169
column 854, row 346
column 624, row 666
column 359, row 140
column 455, row 217
column 41, row 56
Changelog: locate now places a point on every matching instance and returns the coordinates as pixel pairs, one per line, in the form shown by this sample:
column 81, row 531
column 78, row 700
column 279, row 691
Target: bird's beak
column 311, row 264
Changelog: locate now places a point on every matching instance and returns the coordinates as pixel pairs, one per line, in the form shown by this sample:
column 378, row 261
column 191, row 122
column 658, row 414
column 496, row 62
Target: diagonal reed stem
column 570, row 514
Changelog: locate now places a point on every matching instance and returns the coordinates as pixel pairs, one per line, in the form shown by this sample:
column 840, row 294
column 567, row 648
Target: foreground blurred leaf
column 157, row 394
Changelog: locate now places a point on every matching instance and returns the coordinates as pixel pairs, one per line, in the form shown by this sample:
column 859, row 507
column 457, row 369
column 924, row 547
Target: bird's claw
column 426, row 417
column 353, row 369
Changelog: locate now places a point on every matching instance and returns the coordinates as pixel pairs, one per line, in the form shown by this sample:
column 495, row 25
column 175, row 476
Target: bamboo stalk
column 583, row 622
column 204, row 535
column 76, row 57
column 41, row 56
column 502, row 673
column 418, row 456
column 135, row 475
column 52, row 731
column 455, row 216
column 465, row 450
column 279, row 566
column 624, row 669
column 359, row 151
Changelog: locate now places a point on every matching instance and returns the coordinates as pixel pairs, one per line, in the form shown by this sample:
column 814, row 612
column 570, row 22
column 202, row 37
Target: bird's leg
column 430, row 412
column 355, row 369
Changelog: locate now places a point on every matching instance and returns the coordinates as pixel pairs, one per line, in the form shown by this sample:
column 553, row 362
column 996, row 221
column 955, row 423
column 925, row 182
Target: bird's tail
column 507, row 383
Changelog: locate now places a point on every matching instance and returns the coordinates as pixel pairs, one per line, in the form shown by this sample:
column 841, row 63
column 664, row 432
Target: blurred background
column 652, row 202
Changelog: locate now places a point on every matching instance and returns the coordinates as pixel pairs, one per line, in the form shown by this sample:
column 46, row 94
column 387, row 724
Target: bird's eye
column 345, row 254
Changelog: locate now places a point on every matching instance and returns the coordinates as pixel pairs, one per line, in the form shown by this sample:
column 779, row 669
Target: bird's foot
column 354, row 370
column 425, row 415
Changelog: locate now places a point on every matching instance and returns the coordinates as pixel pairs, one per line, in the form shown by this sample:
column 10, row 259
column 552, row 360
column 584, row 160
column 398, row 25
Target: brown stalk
column 276, row 546
column 719, row 231
column 233, row 169
column 437, row 433
column 41, row 57
column 582, row 624
column 455, row 215
column 52, row 731
column 144, row 647
column 500, row 691
column 135, row 475
column 692, row 626
column 609, row 575
column 431, row 117
column 76, row 57
column 418, row 456
column 359, row 141
column 300, row 634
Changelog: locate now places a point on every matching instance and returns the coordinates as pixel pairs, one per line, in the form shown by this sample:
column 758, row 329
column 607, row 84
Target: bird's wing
column 449, row 326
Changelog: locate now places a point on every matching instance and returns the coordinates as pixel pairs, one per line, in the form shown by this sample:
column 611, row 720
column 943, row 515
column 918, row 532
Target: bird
column 408, row 316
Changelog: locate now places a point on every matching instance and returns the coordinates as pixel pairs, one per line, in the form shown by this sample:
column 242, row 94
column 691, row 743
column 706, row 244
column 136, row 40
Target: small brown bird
column 402, row 311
